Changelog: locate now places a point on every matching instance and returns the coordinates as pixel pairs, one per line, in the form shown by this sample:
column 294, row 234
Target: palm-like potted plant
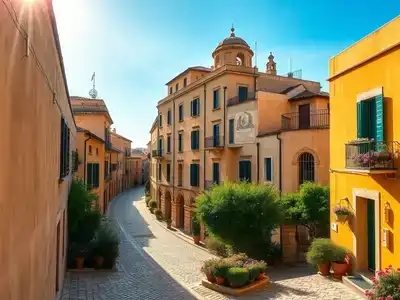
column 196, row 230
column 340, row 264
column 342, row 213
column 320, row 254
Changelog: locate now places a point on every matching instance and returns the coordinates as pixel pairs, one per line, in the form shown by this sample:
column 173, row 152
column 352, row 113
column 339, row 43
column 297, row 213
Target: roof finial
column 232, row 31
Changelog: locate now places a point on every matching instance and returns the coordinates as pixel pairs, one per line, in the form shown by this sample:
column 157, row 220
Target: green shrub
column 106, row 241
column 238, row 276
column 158, row 214
column 195, row 226
column 151, row 210
column 221, row 267
column 242, row 215
column 208, row 266
column 153, row 204
column 254, row 270
column 339, row 254
column 321, row 251
column 273, row 253
column 218, row 247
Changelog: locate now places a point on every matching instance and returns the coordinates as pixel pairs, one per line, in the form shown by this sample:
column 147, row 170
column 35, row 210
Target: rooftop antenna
column 93, row 91
column 290, row 74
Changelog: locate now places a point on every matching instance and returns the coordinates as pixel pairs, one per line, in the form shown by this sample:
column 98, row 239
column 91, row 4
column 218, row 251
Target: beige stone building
column 38, row 136
column 233, row 122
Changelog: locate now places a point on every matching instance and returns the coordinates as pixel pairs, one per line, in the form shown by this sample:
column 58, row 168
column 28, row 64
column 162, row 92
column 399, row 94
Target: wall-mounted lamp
column 387, row 212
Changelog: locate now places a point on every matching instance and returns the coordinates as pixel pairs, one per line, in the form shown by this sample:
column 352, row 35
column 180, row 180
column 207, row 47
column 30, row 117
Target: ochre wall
column 32, row 200
column 380, row 72
column 95, row 123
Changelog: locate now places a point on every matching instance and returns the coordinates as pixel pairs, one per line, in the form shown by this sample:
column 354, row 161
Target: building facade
column 227, row 122
column 38, row 138
column 365, row 130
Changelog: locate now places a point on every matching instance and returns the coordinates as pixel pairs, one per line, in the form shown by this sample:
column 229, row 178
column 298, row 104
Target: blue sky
column 136, row 46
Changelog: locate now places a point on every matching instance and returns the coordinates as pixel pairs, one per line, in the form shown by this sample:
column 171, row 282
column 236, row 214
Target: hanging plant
column 342, row 213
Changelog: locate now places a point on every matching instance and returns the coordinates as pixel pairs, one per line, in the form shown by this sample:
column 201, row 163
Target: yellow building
column 365, row 92
column 94, row 146
column 122, row 147
column 233, row 122
column 38, row 136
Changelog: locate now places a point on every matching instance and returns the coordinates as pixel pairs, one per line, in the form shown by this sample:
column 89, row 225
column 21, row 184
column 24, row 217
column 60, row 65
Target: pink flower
column 381, row 298
column 380, row 273
column 389, row 298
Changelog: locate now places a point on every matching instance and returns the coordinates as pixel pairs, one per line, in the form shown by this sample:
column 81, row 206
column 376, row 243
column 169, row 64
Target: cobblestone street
column 156, row 264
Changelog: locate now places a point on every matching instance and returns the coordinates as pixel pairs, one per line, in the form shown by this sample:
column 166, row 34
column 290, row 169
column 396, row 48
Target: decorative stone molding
column 295, row 160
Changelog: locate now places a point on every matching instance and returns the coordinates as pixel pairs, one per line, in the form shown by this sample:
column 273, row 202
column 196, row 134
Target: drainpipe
column 258, row 162
column 204, row 139
column 84, row 158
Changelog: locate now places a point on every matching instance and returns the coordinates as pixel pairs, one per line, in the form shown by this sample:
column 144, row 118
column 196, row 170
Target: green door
column 371, row 234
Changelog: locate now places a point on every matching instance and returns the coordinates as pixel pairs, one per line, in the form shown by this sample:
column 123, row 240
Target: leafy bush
column 195, row 226
column 153, row 204
column 221, row 267
column 151, row 210
column 309, row 207
column 321, row 251
column 238, row 276
column 254, row 270
column 208, row 266
column 386, row 284
column 218, row 247
column 242, row 215
column 339, row 254
column 158, row 214
column 273, row 253
column 106, row 241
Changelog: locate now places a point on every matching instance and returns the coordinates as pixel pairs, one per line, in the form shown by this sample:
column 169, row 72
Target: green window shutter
column 216, row 173
column 268, row 169
column 191, row 108
column 181, row 112
column 89, row 174
column 242, row 93
column 379, row 119
column 192, row 174
column 169, row 144
column 248, row 170
column 197, row 107
column 197, row 139
column 96, row 173
column 197, row 168
column 231, row 131
column 192, row 136
column 168, row 172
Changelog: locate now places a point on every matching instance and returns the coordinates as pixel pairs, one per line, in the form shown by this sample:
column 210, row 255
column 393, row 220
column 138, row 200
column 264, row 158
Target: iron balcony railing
column 216, row 141
column 210, row 183
column 371, row 155
column 157, row 153
column 315, row 119
column 235, row 100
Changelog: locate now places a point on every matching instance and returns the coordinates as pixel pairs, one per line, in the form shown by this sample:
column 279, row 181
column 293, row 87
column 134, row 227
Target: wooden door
column 304, row 116
column 371, row 234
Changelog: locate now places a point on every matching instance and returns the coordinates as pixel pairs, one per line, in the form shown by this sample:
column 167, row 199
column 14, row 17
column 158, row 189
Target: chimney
column 271, row 65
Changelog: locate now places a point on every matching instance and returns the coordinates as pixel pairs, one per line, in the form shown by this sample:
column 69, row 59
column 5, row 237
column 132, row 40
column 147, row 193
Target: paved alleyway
column 156, row 264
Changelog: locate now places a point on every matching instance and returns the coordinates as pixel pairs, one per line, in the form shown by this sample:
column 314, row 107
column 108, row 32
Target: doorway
column 304, row 116
column 58, row 258
column 371, row 234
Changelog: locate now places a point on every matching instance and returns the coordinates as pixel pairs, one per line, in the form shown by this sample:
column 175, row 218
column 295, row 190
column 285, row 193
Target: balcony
column 235, row 100
column 214, row 142
column 372, row 157
column 209, row 184
column 158, row 153
column 313, row 119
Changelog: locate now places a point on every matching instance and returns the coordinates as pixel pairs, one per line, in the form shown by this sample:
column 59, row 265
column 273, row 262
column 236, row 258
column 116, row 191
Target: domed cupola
column 233, row 50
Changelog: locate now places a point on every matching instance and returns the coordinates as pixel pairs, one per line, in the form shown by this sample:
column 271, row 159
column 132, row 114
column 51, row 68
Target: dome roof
column 233, row 40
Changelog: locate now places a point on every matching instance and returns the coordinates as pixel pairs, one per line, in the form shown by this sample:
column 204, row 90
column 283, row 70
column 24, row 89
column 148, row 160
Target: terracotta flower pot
column 324, row 269
column 260, row 276
column 233, row 285
column 220, row 280
column 99, row 262
column 341, row 218
column 80, row 262
column 196, row 239
column 339, row 269
column 210, row 278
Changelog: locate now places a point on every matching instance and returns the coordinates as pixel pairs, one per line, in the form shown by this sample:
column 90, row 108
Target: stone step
column 358, row 283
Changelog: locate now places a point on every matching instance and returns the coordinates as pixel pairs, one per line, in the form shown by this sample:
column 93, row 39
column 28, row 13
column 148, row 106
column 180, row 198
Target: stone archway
column 180, row 211
column 167, row 205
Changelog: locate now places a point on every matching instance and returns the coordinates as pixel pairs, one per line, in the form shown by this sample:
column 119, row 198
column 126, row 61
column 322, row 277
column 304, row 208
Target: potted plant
column 169, row 222
column 237, row 277
column 158, row 214
column 152, row 205
column 195, row 230
column 219, row 270
column 386, row 284
column 208, row 267
column 254, row 271
column 80, row 250
column 342, row 213
column 339, row 263
column 320, row 254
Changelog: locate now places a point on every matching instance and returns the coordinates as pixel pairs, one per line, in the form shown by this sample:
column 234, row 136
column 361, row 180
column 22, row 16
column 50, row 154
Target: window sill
column 180, row 121
column 194, row 117
column 218, row 108
column 195, row 150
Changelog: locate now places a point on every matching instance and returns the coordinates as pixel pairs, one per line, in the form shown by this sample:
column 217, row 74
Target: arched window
column 240, row 59
column 217, row 62
column 306, row 167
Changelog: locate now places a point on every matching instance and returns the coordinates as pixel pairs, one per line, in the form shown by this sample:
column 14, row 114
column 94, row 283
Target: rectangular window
column 268, row 169
column 160, row 146
column 170, row 90
column 243, row 93
column 181, row 112
column 64, row 149
column 169, row 117
column 194, row 174
column 216, row 173
column 245, row 170
column 90, row 149
column 168, row 172
column 159, row 172
column 97, row 151
column 106, row 169
column 180, row 142
column 216, row 139
column 169, row 144
column 231, row 131
column 195, row 139
column 180, row 174
column 113, row 167
column 93, row 172
column 184, row 82
column 160, row 120
column 370, row 121
column 176, row 87
column 216, row 99
column 195, row 108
